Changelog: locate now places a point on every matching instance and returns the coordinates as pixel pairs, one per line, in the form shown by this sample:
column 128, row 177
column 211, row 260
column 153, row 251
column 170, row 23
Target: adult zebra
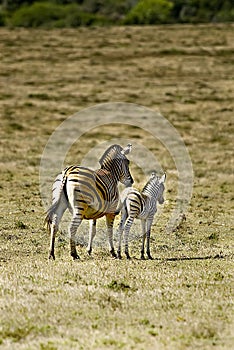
column 89, row 194
column 140, row 205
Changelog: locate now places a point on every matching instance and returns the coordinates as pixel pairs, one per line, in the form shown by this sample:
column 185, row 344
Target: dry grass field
column 184, row 298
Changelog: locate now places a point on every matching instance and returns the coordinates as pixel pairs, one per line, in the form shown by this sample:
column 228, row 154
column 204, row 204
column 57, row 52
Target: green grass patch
column 19, row 224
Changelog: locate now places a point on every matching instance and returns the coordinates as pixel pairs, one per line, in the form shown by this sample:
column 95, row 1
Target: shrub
column 54, row 15
column 2, row 18
column 225, row 16
column 113, row 9
column 197, row 11
column 36, row 15
column 80, row 18
column 150, row 12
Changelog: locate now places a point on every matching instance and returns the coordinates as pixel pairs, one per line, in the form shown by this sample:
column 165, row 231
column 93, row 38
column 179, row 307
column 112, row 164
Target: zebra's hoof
column 150, row 257
column 51, row 256
column 119, row 256
column 75, row 256
column 142, row 257
column 128, row 257
column 113, row 253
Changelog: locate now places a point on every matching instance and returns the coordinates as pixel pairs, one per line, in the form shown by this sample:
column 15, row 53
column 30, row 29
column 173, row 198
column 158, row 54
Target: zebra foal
column 89, row 194
column 140, row 205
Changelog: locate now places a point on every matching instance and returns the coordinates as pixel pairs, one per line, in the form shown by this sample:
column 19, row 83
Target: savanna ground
column 184, row 298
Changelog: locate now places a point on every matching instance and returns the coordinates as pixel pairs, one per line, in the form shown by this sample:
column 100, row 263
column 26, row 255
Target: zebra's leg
column 53, row 231
column 149, row 224
column 92, row 233
column 126, row 233
column 120, row 231
column 75, row 223
column 110, row 222
column 143, row 239
column 54, row 227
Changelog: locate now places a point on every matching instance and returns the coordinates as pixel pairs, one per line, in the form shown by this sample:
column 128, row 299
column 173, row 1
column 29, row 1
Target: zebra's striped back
column 92, row 192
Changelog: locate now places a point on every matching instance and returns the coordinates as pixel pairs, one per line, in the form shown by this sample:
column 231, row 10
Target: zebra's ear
column 163, row 178
column 153, row 175
column 127, row 149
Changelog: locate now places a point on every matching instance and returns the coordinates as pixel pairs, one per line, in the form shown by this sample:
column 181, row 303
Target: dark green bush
column 52, row 15
column 36, row 15
column 3, row 18
column 113, row 9
column 198, row 11
column 74, row 17
column 150, row 12
column 225, row 16
column 80, row 18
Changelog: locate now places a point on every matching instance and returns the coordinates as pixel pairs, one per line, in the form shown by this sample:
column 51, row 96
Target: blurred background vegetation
column 74, row 13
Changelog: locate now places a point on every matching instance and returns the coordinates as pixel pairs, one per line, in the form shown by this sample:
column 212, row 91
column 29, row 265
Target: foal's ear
column 163, row 178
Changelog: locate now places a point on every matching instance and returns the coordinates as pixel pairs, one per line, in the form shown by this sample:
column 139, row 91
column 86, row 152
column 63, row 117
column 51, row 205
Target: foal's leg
column 92, row 233
column 149, row 224
column 127, row 228
column 110, row 222
column 120, row 230
column 143, row 239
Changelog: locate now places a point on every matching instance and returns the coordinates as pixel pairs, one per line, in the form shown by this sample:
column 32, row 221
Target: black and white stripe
column 89, row 194
column 140, row 205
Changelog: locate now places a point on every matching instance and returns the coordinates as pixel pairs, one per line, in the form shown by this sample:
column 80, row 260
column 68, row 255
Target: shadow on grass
column 218, row 256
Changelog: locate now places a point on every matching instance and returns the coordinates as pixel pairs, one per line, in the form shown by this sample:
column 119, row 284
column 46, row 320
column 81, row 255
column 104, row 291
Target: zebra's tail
column 58, row 190
column 123, row 198
column 49, row 215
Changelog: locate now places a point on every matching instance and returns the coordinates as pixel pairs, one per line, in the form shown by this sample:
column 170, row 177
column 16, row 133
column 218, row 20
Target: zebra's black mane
column 149, row 184
column 116, row 148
